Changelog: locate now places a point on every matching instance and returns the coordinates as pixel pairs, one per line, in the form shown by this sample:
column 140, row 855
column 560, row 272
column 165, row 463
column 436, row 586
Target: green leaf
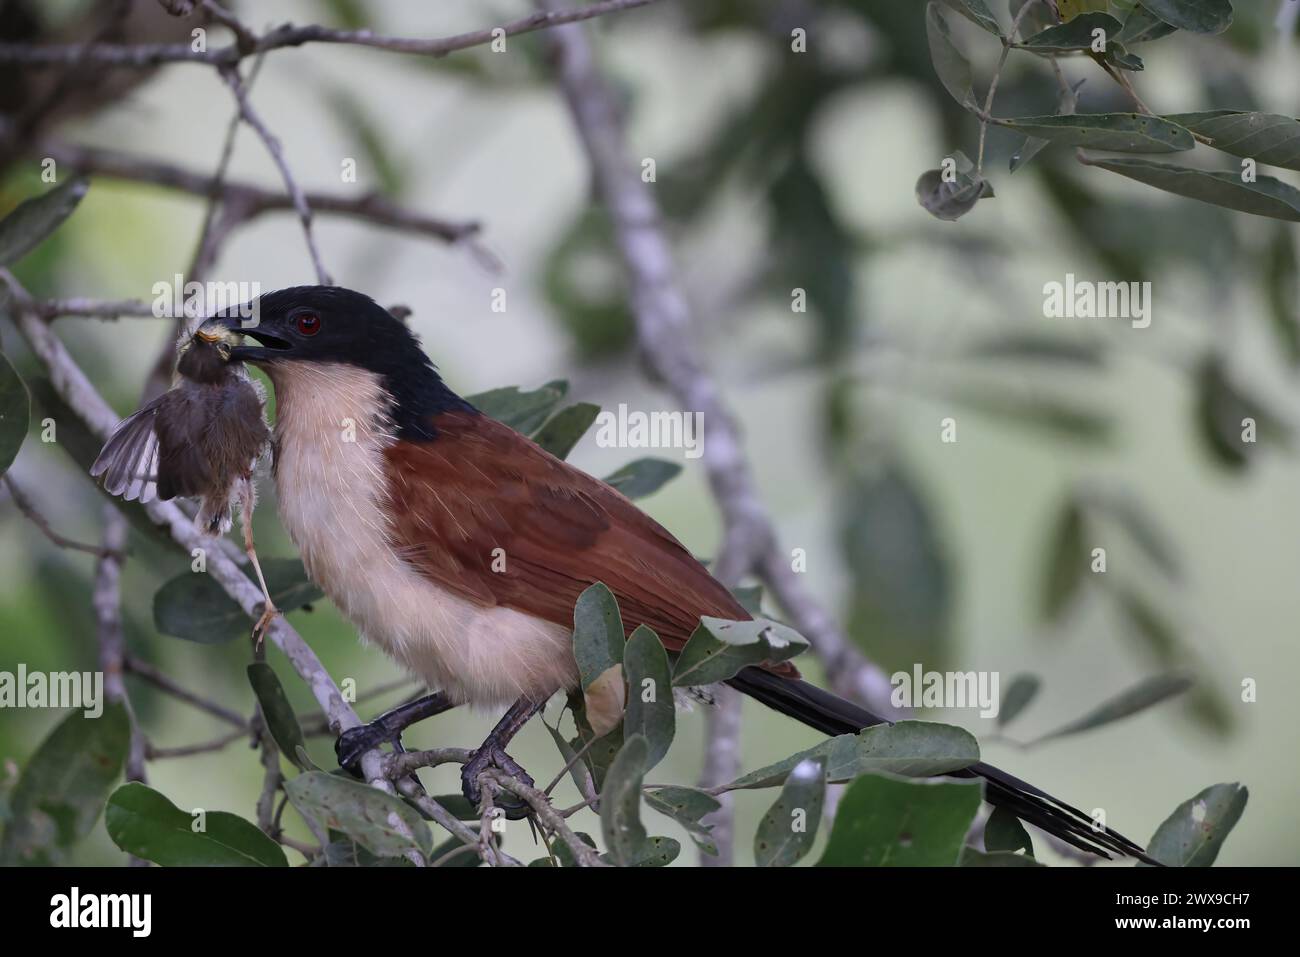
column 720, row 648
column 909, row 748
column 63, row 787
column 1145, row 694
column 1074, row 35
column 952, row 196
column 1195, row 16
column 144, row 823
column 1267, row 138
column 620, row 804
column 1038, row 410
column 278, row 713
column 1127, row 513
column 1142, row 26
column 193, row 606
column 643, row 477
column 1222, row 410
column 750, row 598
column 949, row 62
column 1070, row 9
column 1121, row 132
column 564, row 855
column 1004, row 832
column 977, row 12
column 579, row 773
column 788, row 829
column 1066, row 564
column 1023, row 690
column 597, row 633
column 522, row 411
column 649, row 675
column 367, row 815
column 1039, row 348
column 562, row 432
column 1193, row 834
column 33, row 220
column 887, row 822
column 688, row 807
column 970, row 857
column 1264, row 197
column 1031, row 146
column 1283, row 291
column 655, row 852
column 15, row 413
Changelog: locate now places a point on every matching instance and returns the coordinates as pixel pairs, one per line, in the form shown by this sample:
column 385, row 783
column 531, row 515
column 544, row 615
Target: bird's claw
column 355, row 742
column 269, row 614
column 492, row 755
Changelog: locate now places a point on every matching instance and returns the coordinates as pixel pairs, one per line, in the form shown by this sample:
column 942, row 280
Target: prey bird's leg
column 388, row 727
column 492, row 753
column 269, row 611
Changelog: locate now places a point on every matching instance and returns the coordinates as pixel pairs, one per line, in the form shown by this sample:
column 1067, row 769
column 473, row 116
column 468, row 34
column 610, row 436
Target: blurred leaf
column 1145, row 694
column 951, row 200
column 1036, row 409
column 1222, row 411
column 193, row 606
column 1264, row 197
column 561, row 432
column 1004, row 832
column 1193, row 834
column 522, row 411
column 1067, row 563
column 787, row 831
column 643, row 477
column 649, row 675
column 360, row 129
column 597, row 633
column 1195, row 16
column 15, row 413
column 977, row 12
column 970, row 857
column 584, row 282
column 1128, row 513
column 33, row 220
column 278, row 713
column 949, row 62
column 620, row 803
column 1283, row 292
column 750, row 598
column 1264, row 137
column 342, row 852
column 367, row 815
column 885, row 822
column 1120, row 132
column 1031, row 146
column 63, row 787
column 144, row 823
column 688, row 807
column 1023, row 690
column 900, row 577
column 1074, row 8
column 909, row 748
column 1036, row 20
column 719, row 649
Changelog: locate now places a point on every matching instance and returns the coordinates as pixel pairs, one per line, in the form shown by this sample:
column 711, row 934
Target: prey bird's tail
column 833, row 715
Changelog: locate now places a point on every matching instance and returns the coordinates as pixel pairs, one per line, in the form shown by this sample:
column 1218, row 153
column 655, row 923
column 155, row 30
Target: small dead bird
column 202, row 440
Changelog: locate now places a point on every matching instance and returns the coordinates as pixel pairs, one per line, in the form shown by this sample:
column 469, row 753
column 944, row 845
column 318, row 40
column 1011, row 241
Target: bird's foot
column 492, row 755
column 269, row 613
column 354, row 742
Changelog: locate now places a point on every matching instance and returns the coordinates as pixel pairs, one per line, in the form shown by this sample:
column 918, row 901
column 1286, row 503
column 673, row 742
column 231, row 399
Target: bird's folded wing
column 129, row 460
column 488, row 514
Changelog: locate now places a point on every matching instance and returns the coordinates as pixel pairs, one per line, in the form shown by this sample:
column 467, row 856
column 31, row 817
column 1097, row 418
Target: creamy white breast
column 331, row 484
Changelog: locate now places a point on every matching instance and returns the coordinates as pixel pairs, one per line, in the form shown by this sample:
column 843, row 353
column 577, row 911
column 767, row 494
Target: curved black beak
column 237, row 321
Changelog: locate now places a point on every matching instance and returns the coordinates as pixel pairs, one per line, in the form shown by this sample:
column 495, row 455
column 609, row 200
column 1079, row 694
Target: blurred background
column 776, row 170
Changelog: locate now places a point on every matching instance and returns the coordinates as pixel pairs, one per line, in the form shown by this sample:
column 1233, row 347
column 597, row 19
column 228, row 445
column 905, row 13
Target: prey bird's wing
column 489, row 515
column 129, row 459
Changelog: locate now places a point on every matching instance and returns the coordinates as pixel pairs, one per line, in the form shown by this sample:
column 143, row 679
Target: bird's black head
column 330, row 324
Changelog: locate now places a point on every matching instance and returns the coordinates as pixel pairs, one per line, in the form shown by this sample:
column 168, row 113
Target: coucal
column 397, row 492
column 201, row 439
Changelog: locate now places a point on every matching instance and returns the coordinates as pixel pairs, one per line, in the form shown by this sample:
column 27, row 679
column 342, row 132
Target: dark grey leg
column 492, row 753
column 388, row 727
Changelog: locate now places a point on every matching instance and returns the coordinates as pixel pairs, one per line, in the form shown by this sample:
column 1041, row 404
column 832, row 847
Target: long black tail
column 833, row 715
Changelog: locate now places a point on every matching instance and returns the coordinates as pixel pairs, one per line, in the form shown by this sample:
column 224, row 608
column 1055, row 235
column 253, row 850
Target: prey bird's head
column 332, row 328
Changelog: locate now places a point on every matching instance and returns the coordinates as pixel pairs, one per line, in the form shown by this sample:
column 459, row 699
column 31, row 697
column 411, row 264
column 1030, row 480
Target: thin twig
column 23, row 502
column 548, row 817
column 147, row 672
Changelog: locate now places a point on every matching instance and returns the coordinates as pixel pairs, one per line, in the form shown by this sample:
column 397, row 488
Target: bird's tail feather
column 833, row 715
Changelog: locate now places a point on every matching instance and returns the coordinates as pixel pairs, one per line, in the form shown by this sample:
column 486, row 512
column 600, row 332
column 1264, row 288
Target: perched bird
column 202, row 439
column 399, row 494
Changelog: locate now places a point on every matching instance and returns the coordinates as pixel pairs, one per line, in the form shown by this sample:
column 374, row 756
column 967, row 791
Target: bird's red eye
column 308, row 323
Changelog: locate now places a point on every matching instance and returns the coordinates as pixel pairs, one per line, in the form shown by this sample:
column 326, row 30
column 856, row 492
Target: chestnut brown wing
column 493, row 517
